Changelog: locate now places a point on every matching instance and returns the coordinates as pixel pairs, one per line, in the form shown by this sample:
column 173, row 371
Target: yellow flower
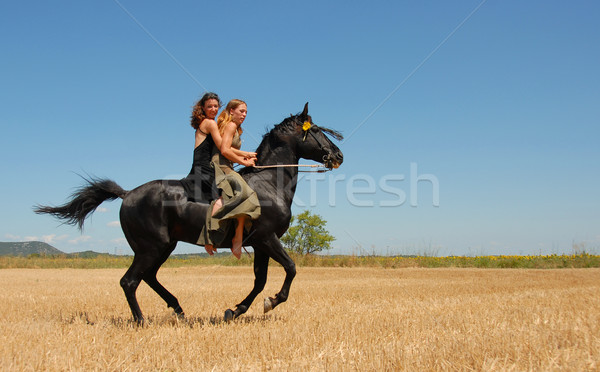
column 306, row 126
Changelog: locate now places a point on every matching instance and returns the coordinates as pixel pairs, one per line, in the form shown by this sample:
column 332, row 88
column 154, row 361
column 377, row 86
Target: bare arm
column 245, row 154
column 210, row 126
column 230, row 152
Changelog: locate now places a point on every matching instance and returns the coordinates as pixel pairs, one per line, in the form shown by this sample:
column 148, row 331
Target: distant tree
column 307, row 234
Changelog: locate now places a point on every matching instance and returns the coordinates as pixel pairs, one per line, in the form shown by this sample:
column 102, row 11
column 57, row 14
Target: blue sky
column 471, row 127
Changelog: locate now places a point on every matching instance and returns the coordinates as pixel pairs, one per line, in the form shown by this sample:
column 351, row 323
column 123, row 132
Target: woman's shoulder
column 208, row 121
column 206, row 125
column 230, row 126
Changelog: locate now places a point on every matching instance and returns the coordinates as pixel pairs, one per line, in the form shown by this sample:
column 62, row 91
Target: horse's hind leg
column 131, row 280
column 152, row 281
column 261, row 265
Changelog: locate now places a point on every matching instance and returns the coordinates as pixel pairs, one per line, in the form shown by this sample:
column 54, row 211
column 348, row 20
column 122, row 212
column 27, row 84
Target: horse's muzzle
column 330, row 161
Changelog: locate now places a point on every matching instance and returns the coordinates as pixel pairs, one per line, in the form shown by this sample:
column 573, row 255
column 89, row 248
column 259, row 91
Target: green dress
column 238, row 199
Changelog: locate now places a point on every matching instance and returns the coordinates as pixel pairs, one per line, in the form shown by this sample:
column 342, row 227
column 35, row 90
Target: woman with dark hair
column 200, row 182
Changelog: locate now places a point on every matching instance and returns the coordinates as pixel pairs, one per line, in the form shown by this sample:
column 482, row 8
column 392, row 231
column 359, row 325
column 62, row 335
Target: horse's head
column 298, row 137
column 312, row 142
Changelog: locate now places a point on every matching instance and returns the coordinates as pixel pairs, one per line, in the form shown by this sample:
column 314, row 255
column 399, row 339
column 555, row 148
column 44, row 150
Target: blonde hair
column 225, row 116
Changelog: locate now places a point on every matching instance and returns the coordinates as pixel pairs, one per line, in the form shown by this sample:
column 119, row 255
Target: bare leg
column 210, row 249
column 218, row 204
column 236, row 243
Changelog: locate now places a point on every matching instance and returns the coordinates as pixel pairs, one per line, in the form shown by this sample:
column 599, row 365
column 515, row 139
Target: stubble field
column 336, row 319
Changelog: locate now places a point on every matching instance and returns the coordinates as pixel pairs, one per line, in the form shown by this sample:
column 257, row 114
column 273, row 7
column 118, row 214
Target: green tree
column 307, row 234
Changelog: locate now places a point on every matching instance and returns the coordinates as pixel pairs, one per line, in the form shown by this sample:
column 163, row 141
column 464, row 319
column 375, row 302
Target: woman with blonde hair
column 238, row 204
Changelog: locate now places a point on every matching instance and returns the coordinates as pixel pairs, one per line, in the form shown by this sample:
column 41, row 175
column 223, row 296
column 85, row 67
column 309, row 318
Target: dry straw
column 336, row 319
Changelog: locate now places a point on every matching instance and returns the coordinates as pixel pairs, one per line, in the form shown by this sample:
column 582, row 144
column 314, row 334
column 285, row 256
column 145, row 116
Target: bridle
column 327, row 158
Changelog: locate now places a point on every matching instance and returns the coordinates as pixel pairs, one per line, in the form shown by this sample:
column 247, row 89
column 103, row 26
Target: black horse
column 157, row 214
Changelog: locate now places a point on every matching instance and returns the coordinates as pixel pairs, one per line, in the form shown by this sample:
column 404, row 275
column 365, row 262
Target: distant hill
column 27, row 248
column 88, row 254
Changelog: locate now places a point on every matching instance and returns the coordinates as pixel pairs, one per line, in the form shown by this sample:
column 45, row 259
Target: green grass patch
column 102, row 261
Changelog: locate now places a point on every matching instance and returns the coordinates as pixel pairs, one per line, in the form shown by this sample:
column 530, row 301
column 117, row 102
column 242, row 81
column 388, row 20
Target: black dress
column 200, row 185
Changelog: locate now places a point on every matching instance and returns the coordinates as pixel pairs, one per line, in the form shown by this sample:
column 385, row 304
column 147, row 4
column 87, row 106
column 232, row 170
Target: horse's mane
column 288, row 126
column 332, row 132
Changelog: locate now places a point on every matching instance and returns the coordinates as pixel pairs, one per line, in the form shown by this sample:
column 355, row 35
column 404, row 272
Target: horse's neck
column 283, row 179
column 277, row 156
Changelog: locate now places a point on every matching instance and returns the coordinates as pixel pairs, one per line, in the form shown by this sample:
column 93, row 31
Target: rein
column 297, row 166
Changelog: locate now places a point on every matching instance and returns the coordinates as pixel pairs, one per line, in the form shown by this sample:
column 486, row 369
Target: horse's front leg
column 278, row 253
column 261, row 264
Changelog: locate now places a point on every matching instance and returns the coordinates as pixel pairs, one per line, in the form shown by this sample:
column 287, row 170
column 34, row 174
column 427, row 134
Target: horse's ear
column 305, row 111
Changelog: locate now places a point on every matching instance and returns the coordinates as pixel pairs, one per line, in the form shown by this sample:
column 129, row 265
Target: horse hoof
column 228, row 315
column 268, row 305
column 180, row 316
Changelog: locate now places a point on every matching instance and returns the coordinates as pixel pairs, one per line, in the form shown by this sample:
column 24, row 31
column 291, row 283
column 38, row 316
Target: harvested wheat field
column 335, row 319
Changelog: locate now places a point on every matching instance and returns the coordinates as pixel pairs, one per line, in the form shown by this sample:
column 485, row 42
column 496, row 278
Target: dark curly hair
column 198, row 113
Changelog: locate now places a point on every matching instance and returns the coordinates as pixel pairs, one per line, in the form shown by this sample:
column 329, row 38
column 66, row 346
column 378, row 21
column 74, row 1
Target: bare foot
column 210, row 249
column 218, row 204
column 236, row 247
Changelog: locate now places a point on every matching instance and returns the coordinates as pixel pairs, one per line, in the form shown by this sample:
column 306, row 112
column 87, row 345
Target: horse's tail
column 84, row 201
